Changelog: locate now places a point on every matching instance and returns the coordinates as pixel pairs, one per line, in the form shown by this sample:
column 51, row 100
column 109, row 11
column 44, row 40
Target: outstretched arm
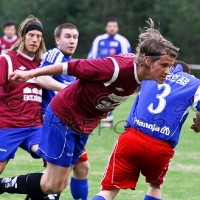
column 50, row 83
column 22, row 76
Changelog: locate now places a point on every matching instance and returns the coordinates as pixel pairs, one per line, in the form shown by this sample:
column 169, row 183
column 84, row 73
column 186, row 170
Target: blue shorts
column 59, row 144
column 12, row 138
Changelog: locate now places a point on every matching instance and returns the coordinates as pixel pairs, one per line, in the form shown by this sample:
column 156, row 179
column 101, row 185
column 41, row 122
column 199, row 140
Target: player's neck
column 143, row 72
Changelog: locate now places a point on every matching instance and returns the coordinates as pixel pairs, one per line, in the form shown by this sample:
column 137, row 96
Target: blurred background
column 177, row 20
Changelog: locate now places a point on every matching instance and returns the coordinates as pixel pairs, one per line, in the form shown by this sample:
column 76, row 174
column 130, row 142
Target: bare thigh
column 2, row 166
column 54, row 179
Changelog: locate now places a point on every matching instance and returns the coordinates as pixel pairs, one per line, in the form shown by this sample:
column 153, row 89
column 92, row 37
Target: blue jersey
column 105, row 45
column 54, row 56
column 161, row 109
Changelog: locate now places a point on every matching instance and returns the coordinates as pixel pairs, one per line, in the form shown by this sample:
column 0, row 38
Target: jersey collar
column 24, row 55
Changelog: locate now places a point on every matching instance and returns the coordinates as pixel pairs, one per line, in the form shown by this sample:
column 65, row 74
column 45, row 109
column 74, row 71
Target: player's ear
column 147, row 61
column 147, row 58
column 57, row 40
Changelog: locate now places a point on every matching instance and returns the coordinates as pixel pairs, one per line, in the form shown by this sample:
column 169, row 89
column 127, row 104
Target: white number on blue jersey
column 161, row 98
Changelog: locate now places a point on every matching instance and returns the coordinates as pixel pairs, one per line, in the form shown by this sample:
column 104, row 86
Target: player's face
column 160, row 68
column 112, row 28
column 32, row 42
column 68, row 41
column 9, row 31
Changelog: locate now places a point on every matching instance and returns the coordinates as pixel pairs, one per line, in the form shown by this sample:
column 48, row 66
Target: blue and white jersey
column 105, row 45
column 54, row 56
column 161, row 109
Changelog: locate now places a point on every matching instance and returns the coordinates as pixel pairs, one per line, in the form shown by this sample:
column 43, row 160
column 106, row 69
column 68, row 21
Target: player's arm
column 4, row 70
column 49, row 83
column 22, row 76
column 197, row 122
column 92, row 70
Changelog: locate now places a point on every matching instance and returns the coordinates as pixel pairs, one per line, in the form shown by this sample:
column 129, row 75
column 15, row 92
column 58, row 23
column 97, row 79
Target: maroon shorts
column 135, row 153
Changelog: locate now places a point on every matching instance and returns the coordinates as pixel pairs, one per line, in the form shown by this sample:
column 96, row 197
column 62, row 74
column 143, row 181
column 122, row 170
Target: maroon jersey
column 6, row 44
column 20, row 103
column 102, row 86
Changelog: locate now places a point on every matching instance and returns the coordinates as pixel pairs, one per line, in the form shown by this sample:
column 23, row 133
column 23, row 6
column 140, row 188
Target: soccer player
column 20, row 103
column 109, row 44
column 78, row 109
column 66, row 39
column 9, row 38
column 151, row 133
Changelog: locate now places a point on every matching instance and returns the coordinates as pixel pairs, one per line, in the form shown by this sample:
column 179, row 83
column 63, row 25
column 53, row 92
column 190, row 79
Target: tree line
column 177, row 20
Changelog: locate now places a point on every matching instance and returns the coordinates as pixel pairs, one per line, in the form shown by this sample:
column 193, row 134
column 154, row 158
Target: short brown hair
column 185, row 67
column 111, row 19
column 58, row 29
column 9, row 23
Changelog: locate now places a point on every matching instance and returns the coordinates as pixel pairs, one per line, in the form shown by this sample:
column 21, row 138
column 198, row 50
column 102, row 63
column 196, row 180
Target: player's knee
column 81, row 170
column 53, row 186
column 156, row 186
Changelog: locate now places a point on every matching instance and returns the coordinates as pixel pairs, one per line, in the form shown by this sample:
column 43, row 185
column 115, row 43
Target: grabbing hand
column 194, row 128
column 19, row 76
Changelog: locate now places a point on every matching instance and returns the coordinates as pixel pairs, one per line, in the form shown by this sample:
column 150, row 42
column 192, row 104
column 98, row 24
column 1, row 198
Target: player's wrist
column 64, row 68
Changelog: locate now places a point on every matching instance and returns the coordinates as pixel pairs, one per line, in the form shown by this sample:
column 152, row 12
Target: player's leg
column 30, row 144
column 154, row 192
column 10, row 139
column 66, row 144
column 156, row 163
column 122, row 171
column 37, row 185
column 79, row 181
column 106, row 194
column 54, row 179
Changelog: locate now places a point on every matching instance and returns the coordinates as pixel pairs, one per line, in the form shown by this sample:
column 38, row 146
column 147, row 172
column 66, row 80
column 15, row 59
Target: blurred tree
column 177, row 20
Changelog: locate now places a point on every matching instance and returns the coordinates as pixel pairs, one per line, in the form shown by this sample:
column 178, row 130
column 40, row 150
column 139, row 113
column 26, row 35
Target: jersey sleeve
column 51, row 57
column 93, row 53
column 4, row 70
column 93, row 70
column 126, row 47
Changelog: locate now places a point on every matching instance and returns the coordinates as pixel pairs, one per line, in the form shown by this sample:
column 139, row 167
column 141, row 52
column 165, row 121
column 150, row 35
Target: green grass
column 183, row 179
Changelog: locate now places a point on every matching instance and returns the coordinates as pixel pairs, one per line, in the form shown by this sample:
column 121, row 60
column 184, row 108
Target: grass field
column 183, row 178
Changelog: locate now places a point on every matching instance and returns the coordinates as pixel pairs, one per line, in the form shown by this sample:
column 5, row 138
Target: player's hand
column 195, row 128
column 105, row 115
column 19, row 76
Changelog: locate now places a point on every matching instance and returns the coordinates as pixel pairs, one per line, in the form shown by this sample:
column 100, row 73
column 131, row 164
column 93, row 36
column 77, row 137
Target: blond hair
column 20, row 45
column 153, row 44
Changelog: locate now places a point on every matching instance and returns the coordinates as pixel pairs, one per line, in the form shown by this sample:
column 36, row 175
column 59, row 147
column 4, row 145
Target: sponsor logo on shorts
column 69, row 154
column 1, row 149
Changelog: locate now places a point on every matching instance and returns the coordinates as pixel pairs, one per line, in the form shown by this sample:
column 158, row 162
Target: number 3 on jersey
column 161, row 98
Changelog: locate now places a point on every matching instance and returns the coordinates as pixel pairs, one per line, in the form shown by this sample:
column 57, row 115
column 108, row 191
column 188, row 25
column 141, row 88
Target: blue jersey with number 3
column 161, row 109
